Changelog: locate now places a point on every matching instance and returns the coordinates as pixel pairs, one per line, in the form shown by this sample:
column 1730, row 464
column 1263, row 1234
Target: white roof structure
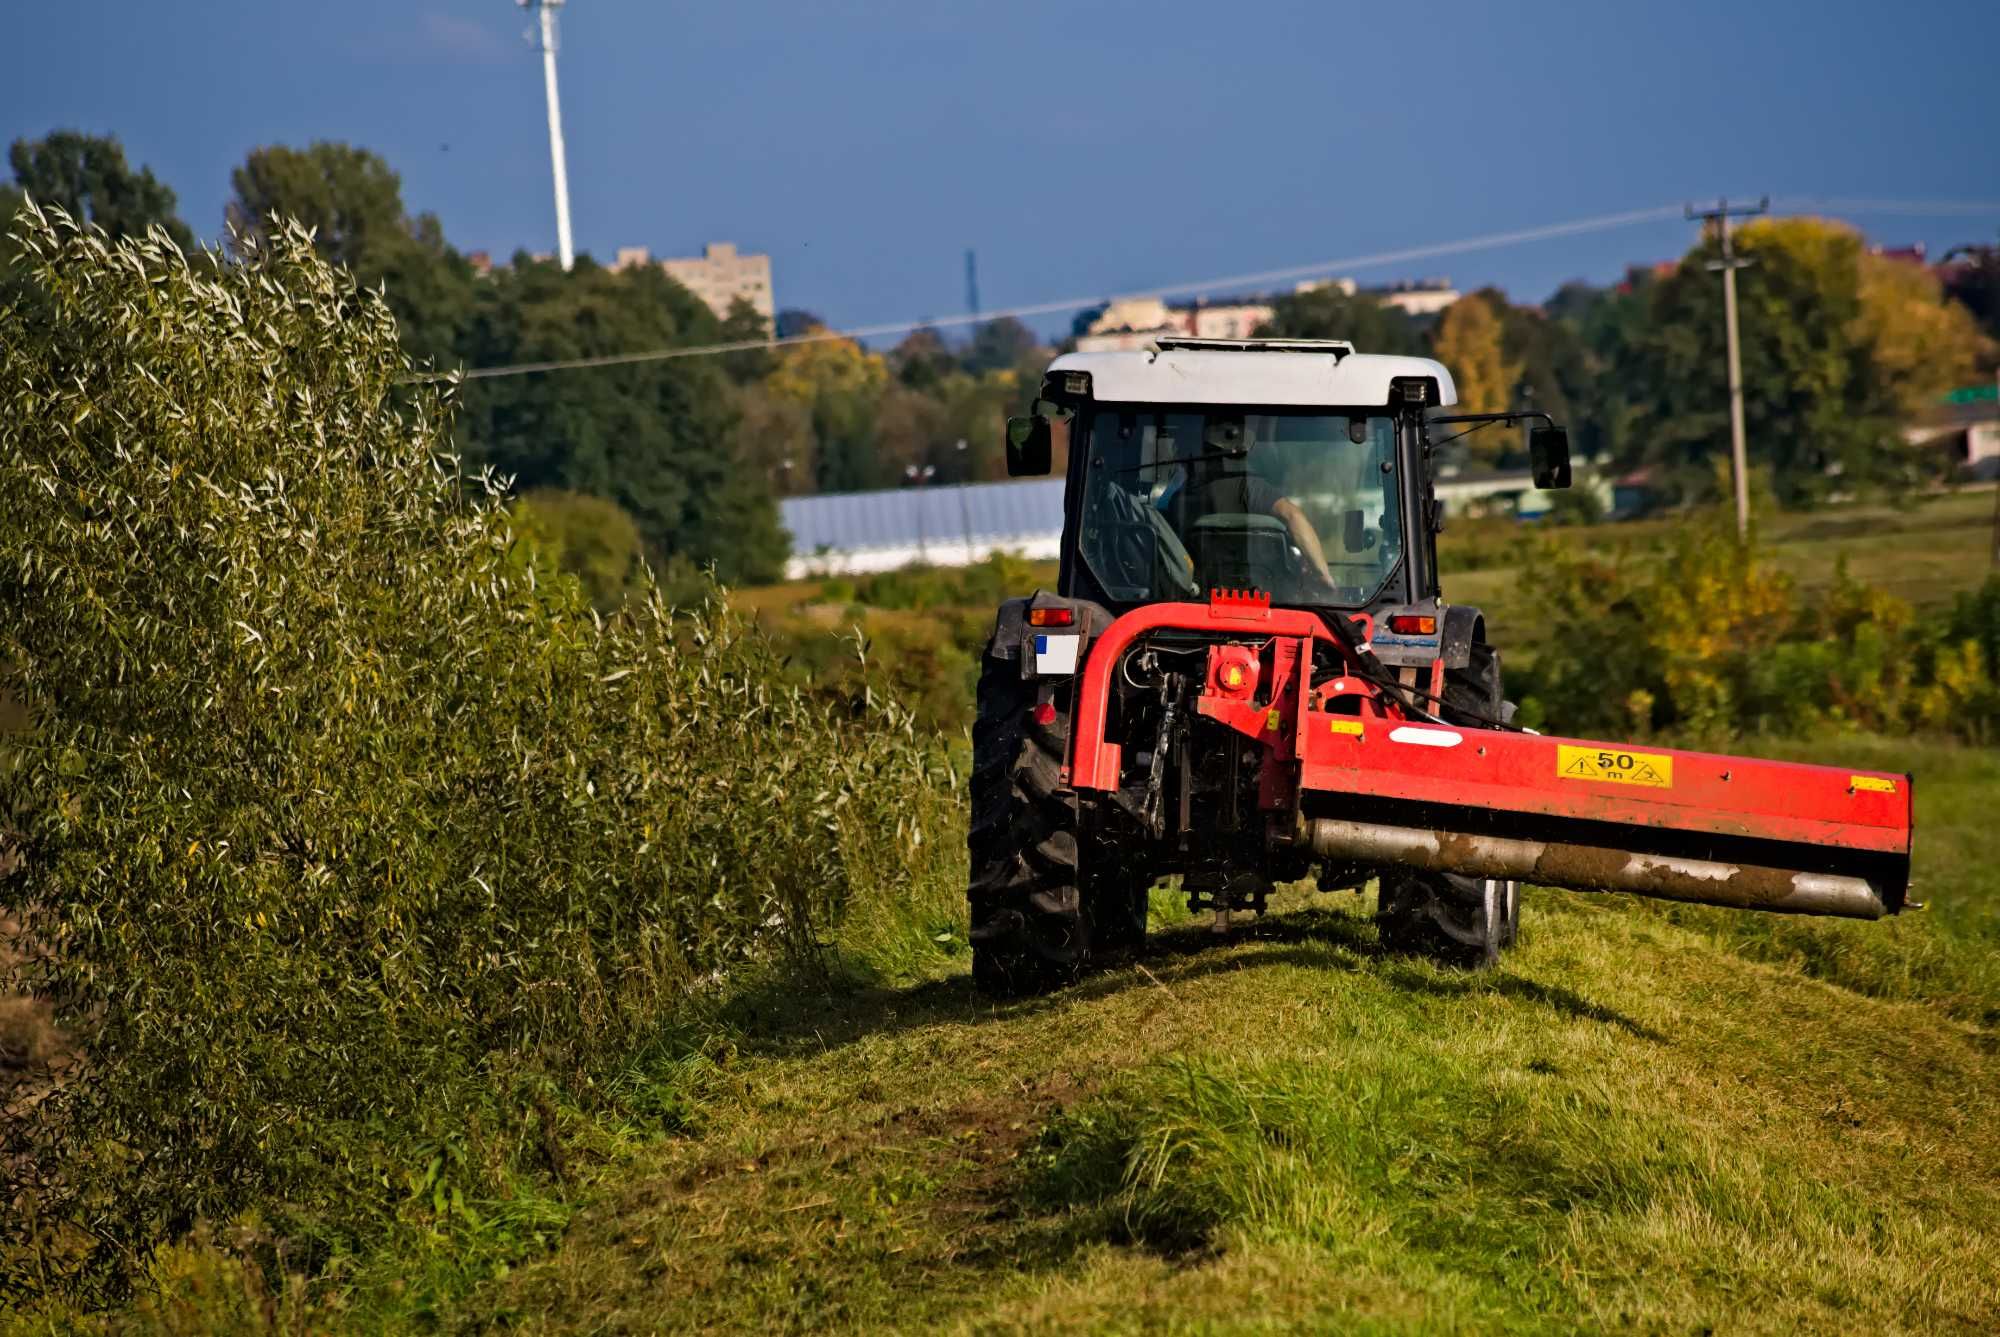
column 1293, row 373
column 846, row 533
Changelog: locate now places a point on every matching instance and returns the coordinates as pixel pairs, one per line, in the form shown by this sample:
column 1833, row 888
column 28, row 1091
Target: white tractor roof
column 1302, row 373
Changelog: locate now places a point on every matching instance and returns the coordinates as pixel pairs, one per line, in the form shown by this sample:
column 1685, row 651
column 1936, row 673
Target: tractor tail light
column 1051, row 617
column 1043, row 714
column 1413, row 624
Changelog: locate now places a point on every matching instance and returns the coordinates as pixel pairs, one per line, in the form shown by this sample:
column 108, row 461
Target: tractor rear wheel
column 1029, row 926
column 1117, row 906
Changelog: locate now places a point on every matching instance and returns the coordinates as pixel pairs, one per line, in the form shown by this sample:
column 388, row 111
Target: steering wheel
column 1317, row 587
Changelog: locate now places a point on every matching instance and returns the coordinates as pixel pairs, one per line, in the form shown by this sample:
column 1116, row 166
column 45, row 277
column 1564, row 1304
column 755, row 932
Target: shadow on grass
column 1554, row 996
column 786, row 1016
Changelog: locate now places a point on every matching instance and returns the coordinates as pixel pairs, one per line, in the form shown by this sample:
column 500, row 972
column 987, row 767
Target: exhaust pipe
column 1593, row 868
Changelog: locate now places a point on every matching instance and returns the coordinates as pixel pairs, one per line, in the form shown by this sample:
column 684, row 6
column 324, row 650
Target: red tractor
column 1248, row 675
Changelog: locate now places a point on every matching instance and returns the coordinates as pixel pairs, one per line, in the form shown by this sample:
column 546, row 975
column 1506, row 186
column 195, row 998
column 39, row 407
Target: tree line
column 1842, row 348
column 681, row 461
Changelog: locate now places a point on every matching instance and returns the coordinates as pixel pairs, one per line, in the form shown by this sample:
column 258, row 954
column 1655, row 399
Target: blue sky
column 1081, row 147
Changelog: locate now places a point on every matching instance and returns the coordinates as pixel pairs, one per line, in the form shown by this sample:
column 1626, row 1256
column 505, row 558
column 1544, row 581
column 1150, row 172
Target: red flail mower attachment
column 1356, row 771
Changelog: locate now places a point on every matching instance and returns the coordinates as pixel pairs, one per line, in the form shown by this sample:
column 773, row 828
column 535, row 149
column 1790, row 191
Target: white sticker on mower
column 1056, row 654
column 1410, row 733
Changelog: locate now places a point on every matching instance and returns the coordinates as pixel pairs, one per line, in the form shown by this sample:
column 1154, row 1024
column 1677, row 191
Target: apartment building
column 719, row 276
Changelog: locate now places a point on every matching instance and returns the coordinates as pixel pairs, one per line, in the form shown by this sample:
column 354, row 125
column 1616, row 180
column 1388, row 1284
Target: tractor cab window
column 1300, row 504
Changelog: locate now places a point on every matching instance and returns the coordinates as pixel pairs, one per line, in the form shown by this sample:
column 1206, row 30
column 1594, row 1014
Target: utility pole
column 547, row 10
column 1739, row 467
column 972, row 281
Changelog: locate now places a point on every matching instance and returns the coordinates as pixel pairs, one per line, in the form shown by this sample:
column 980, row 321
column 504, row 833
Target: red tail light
column 1051, row 617
column 1043, row 714
column 1413, row 624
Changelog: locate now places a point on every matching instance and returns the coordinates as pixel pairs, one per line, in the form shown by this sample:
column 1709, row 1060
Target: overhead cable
column 1376, row 259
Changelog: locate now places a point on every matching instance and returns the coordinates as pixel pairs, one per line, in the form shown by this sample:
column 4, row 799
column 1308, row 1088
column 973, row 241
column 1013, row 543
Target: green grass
column 1650, row 1118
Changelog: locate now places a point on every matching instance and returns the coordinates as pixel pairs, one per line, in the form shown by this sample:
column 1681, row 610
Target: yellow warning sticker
column 1345, row 726
column 1873, row 784
column 1623, row 768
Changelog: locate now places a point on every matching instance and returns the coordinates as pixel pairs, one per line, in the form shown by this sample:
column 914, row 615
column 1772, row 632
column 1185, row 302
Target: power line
column 1404, row 255
column 1909, row 208
column 1490, row 240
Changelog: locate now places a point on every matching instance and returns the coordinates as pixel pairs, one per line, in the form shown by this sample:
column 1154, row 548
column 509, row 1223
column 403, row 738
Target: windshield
column 1302, row 504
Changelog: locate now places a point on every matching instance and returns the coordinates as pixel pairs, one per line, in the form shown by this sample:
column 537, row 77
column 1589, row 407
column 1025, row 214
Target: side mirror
column 1030, row 447
column 1548, row 455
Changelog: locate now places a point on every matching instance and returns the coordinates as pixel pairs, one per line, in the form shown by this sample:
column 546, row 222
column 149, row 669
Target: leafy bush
column 1000, row 576
column 591, row 538
column 349, row 833
column 915, row 634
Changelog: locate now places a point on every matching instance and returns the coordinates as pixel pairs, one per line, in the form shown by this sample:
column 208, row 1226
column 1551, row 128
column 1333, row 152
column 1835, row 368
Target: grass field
column 1653, row 1119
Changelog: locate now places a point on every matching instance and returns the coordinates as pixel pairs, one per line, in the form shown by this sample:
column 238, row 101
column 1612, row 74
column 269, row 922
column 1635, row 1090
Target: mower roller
column 1248, row 675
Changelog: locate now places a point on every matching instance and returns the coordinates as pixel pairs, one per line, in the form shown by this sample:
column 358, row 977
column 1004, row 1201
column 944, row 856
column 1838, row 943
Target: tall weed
column 346, row 827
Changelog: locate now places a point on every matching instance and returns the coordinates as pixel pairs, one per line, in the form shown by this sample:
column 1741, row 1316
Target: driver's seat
column 1241, row 551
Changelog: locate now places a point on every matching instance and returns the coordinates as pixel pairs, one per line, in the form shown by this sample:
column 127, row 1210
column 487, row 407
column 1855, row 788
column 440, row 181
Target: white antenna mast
column 547, row 10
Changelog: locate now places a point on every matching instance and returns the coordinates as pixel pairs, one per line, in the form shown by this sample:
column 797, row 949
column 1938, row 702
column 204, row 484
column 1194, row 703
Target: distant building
column 845, row 533
column 1964, row 427
column 1913, row 254
column 719, row 276
column 1343, row 286
column 1479, row 491
column 1423, row 297
column 1132, row 322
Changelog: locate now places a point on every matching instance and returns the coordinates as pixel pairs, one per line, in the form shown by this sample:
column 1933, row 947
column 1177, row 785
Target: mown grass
column 1649, row 1119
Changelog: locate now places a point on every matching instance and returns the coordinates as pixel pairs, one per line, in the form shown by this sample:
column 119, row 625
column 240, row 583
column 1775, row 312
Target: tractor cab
column 1299, row 468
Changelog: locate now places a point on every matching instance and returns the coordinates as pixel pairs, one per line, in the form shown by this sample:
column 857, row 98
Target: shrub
column 984, row 583
column 592, row 538
column 1707, row 642
column 347, row 830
